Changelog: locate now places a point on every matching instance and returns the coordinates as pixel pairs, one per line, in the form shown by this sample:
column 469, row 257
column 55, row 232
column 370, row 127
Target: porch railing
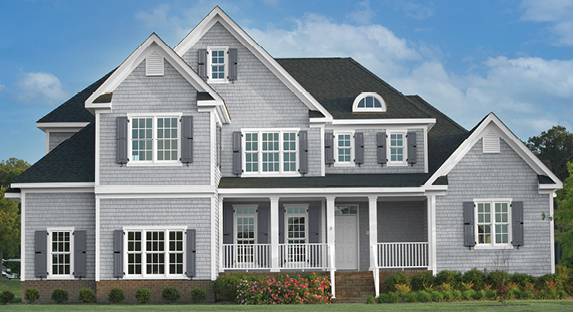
column 247, row 256
column 303, row 256
column 402, row 255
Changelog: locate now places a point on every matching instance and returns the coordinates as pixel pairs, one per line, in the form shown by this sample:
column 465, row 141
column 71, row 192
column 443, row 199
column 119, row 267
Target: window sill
column 217, row 81
column 397, row 164
column 496, row 247
column 152, row 164
column 344, row 164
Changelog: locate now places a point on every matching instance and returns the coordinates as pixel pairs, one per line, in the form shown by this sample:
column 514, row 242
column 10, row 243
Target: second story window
column 218, row 67
column 344, row 153
column 154, row 140
column 270, row 152
column 396, row 148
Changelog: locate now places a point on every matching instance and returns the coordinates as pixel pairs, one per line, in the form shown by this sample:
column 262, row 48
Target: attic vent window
column 154, row 65
column 491, row 143
column 369, row 102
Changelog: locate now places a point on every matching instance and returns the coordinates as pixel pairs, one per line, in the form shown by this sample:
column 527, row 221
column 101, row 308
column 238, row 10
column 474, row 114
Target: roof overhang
column 426, row 123
column 61, row 126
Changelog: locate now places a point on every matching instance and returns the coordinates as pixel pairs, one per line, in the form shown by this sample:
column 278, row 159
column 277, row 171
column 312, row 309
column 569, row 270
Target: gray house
column 215, row 157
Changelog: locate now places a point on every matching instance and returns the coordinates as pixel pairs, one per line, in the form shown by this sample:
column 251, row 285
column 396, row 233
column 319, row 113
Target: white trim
column 426, row 164
column 97, row 238
column 61, row 126
column 209, row 65
column 320, row 192
column 274, row 232
column 338, row 163
column 372, row 230
column 17, row 197
column 433, row 263
column 404, row 148
column 154, row 190
column 213, row 240
column 363, row 95
column 322, row 156
column 23, row 237
column 47, row 142
column 552, row 233
column 97, row 146
column 492, row 122
column 217, row 15
column 54, row 185
column 492, row 202
column 51, row 276
column 406, row 122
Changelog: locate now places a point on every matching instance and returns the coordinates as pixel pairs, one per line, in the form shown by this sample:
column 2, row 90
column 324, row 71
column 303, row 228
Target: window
column 155, row 252
column 396, row 147
column 346, row 210
column 369, row 102
column 296, row 232
column 245, row 229
column 154, row 140
column 344, row 149
column 270, row 152
column 60, row 258
column 493, row 223
column 218, row 63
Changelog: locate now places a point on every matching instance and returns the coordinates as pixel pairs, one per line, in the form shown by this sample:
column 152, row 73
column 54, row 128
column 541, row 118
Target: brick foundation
column 129, row 288
column 46, row 289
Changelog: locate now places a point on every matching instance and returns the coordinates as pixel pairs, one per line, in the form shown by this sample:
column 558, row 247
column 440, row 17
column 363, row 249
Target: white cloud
column 556, row 13
column 362, row 15
column 40, row 88
column 416, row 11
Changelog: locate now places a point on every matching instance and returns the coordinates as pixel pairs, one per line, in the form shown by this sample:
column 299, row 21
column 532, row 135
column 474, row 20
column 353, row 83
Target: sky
column 467, row 58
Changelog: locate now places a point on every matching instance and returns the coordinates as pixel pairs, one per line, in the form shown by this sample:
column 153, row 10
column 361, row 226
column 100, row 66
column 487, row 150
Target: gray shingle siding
column 158, row 94
column 402, row 221
column 193, row 213
column 257, row 99
column 53, row 210
column 503, row 175
column 58, row 137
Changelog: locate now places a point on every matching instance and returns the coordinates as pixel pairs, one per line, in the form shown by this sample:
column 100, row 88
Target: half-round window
column 369, row 102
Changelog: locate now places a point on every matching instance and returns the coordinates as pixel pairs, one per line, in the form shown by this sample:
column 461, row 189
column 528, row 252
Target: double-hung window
column 397, row 148
column 344, row 149
column 60, row 258
column 493, row 226
column 155, row 252
column 218, row 64
column 270, row 152
column 245, row 229
column 296, row 229
column 154, row 139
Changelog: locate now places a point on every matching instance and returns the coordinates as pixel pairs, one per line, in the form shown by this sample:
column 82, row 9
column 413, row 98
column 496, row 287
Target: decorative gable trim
column 492, row 124
column 154, row 65
column 491, row 143
column 217, row 15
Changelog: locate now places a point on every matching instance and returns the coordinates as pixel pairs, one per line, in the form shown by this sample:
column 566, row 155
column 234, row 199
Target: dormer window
column 369, row 102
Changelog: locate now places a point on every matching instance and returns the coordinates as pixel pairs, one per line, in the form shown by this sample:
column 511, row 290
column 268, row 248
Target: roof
column 71, row 161
column 73, row 110
column 336, row 82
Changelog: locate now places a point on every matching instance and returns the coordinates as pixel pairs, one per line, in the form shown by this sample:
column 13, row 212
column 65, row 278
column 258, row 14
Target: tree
column 555, row 148
column 11, row 168
column 9, row 225
column 564, row 216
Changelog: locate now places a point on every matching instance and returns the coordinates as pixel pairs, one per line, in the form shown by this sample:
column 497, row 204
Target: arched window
column 369, row 102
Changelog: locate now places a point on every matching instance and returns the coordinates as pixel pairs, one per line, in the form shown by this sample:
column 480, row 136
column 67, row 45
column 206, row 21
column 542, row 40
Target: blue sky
column 467, row 58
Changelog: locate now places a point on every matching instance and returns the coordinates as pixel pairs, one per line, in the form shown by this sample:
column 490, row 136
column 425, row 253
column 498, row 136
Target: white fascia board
column 61, row 126
column 217, row 15
column 321, row 192
column 319, row 122
column 60, row 186
column 13, row 196
column 493, row 123
column 405, row 122
column 217, row 107
column 550, row 187
column 155, row 190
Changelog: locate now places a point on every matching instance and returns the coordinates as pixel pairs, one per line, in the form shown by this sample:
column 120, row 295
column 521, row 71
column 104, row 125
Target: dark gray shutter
column 187, row 139
column 118, row 253
column 359, row 148
column 237, row 153
column 412, row 155
column 313, row 224
column 80, row 253
column 517, row 224
column 328, row 148
column 381, row 143
column 202, row 63
column 303, row 152
column 263, row 225
column 232, row 64
column 191, row 253
column 469, row 228
column 41, row 259
column 228, row 225
column 122, row 140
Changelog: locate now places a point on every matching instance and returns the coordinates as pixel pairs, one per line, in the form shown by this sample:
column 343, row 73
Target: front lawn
column 520, row 305
column 14, row 286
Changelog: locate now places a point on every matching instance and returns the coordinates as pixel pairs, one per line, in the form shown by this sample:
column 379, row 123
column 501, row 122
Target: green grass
column 529, row 305
column 14, row 286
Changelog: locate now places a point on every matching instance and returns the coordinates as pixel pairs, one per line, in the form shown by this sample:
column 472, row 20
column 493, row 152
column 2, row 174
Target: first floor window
column 245, row 229
column 296, row 230
column 270, row 152
column 154, row 139
column 155, row 252
column 61, row 252
column 493, row 226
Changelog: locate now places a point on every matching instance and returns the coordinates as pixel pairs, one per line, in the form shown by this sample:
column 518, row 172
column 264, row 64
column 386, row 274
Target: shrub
column 370, row 300
column 198, row 294
column 116, row 295
column 6, row 297
column 457, row 294
column 402, row 290
column 448, row 295
column 411, row 297
column 452, row 278
column 467, row 286
column 143, row 295
column 476, row 277
column 390, row 282
column 526, row 295
column 424, row 296
column 496, row 277
column 561, row 294
column 285, row 290
column 390, row 297
column 437, row 296
column 170, row 294
column 60, row 296
column 225, row 287
column 444, row 287
column 32, row 294
column 542, row 294
column 549, row 281
column 468, row 294
column 522, row 279
column 566, row 275
column 86, row 295
column 422, row 281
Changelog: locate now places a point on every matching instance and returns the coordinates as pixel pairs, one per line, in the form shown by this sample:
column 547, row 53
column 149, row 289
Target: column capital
column 372, row 197
column 274, row 198
column 330, row 198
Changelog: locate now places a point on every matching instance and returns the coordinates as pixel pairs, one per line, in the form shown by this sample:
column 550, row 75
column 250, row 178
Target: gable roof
column 71, row 161
column 217, row 15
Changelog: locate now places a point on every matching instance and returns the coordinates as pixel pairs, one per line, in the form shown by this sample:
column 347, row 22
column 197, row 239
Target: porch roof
column 330, row 180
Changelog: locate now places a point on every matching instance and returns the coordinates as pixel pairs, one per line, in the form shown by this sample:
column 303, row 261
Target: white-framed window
column 346, row 210
column 369, row 102
column 270, row 152
column 344, row 151
column 493, row 223
column 218, row 62
column 296, row 231
column 155, row 252
column 245, row 232
column 396, row 152
column 154, row 139
column 60, row 257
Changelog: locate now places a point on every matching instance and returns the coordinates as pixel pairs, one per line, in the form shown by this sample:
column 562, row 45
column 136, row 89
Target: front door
column 346, row 243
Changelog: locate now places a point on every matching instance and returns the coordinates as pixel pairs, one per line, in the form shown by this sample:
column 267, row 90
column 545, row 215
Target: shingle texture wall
column 257, row 99
column 189, row 212
column 170, row 93
column 53, row 210
column 482, row 176
column 402, row 222
column 58, row 137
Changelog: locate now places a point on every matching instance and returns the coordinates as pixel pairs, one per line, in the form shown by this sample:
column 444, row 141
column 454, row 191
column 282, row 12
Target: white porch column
column 373, row 229
column 274, row 234
column 330, row 236
column 432, row 233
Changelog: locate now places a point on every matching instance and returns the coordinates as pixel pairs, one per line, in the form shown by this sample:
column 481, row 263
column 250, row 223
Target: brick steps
column 353, row 287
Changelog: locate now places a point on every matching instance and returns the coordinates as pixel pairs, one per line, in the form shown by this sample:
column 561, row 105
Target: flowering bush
column 285, row 290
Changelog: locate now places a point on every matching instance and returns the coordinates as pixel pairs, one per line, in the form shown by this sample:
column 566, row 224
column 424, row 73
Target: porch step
column 353, row 286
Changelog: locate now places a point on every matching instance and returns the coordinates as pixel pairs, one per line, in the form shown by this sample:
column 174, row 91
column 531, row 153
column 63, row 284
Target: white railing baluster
column 402, row 255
